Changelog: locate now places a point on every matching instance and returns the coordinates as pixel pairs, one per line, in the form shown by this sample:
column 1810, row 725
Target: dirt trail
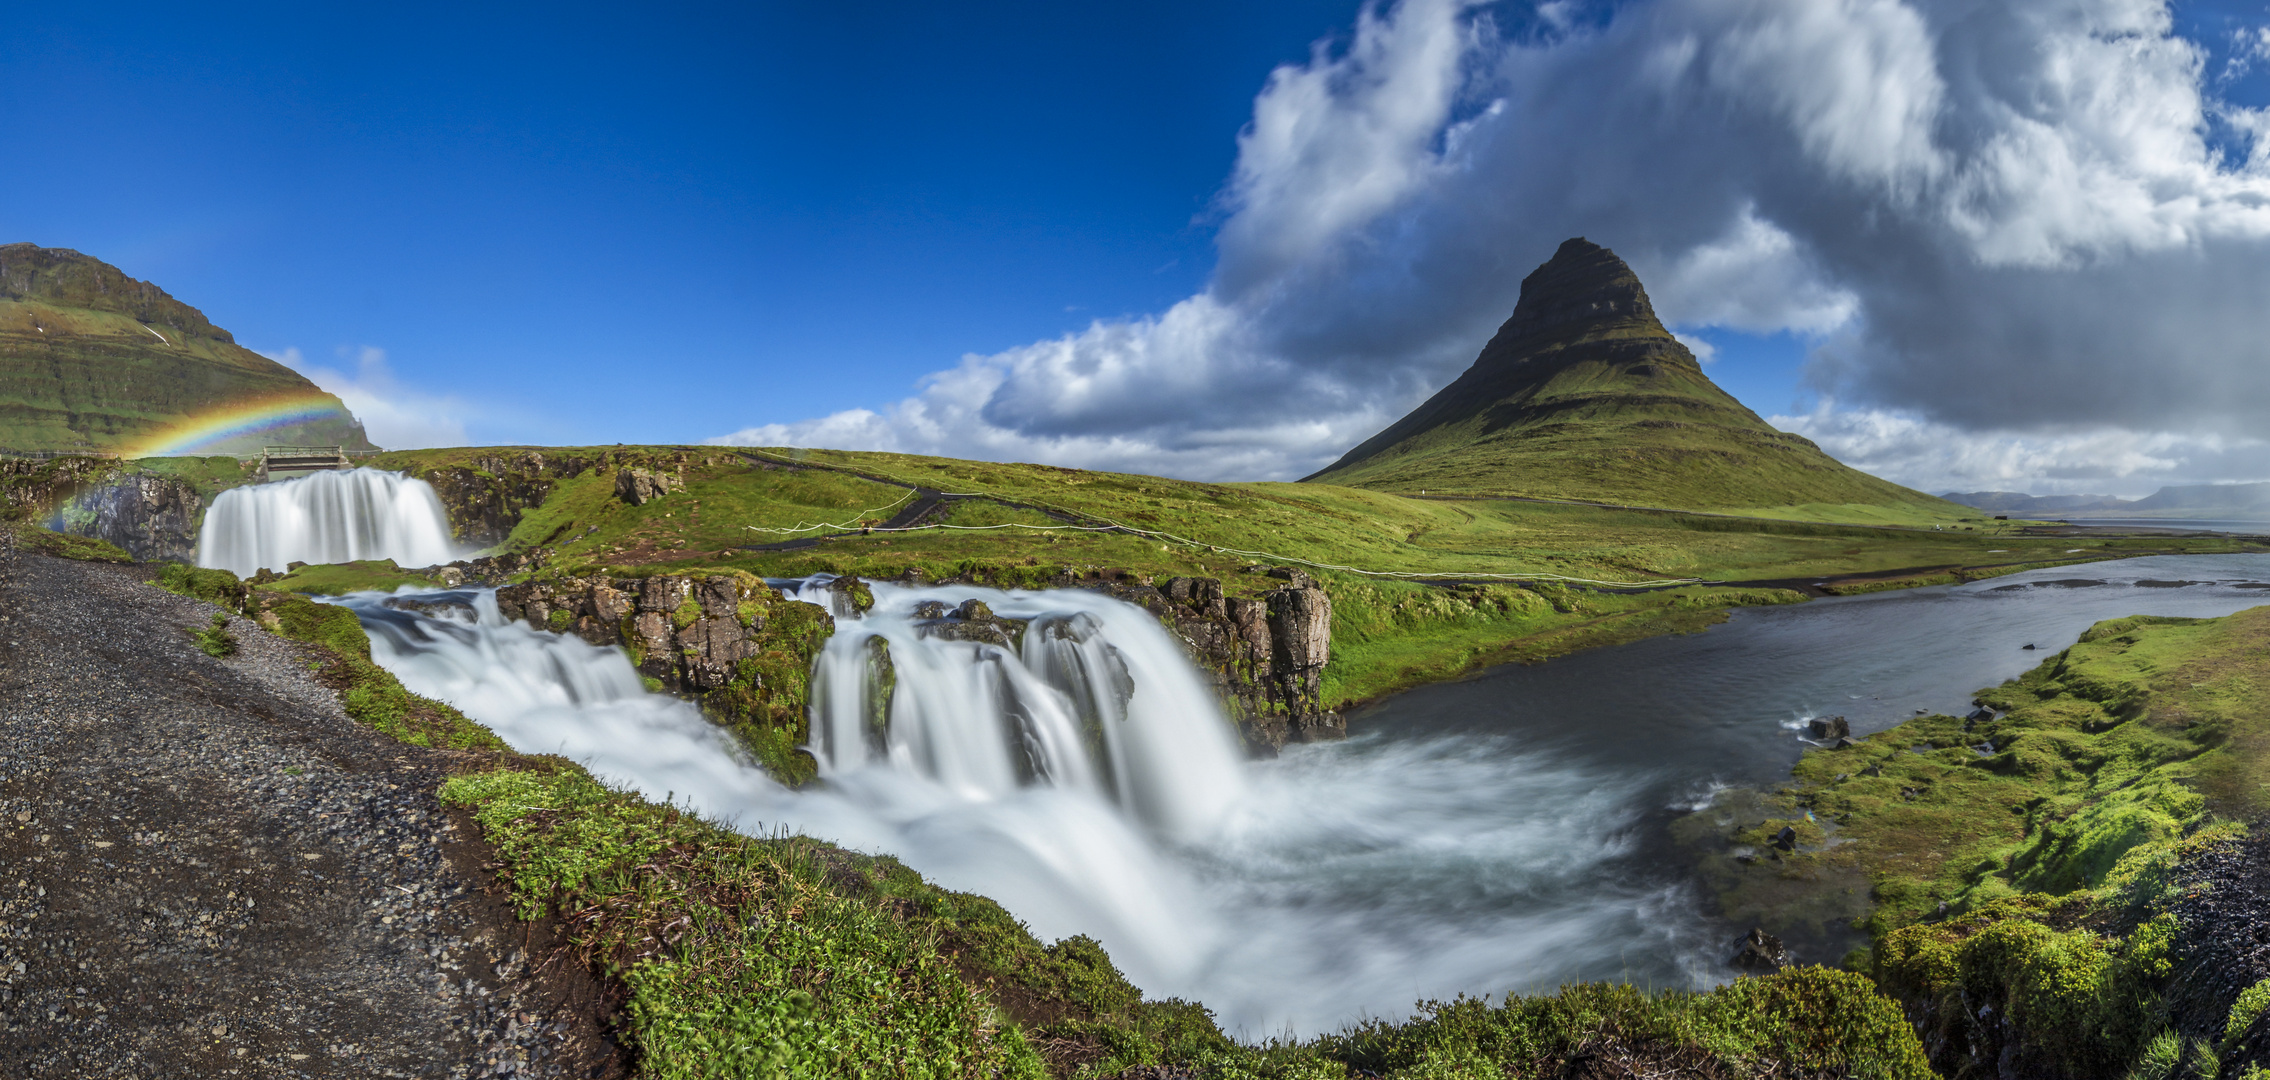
column 207, row 869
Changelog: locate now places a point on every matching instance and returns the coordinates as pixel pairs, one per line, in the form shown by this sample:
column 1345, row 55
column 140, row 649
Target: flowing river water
column 1504, row 832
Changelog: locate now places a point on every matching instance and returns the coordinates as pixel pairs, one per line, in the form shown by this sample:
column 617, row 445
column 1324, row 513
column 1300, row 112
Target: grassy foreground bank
column 783, row 956
column 2038, row 877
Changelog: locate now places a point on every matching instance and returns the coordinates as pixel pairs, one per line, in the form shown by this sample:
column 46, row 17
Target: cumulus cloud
column 2006, row 224
column 394, row 416
column 1940, row 457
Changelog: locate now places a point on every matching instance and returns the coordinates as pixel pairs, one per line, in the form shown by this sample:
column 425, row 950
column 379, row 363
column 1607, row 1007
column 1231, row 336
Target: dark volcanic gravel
column 2225, row 943
column 207, row 869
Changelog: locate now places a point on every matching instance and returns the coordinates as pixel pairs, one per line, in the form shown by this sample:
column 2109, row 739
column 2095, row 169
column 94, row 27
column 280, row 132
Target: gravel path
column 2225, row 943
column 207, row 869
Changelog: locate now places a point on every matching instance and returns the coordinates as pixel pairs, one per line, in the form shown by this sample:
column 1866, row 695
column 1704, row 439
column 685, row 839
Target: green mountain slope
column 91, row 359
column 1584, row 395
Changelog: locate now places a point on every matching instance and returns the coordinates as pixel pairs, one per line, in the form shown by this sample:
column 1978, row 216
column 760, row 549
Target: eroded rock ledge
column 734, row 645
column 726, row 641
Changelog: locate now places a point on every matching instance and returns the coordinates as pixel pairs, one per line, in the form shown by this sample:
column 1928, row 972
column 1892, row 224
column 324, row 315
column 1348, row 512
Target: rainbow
column 199, row 433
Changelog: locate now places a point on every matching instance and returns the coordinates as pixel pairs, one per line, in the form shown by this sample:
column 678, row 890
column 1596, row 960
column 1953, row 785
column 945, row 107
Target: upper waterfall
column 1096, row 699
column 326, row 517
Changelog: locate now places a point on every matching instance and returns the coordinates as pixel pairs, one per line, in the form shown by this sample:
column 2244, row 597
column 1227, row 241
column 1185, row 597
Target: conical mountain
column 91, row 359
column 1584, row 395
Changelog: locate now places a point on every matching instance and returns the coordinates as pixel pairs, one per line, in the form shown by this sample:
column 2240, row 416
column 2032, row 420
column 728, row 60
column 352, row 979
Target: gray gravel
column 207, row 869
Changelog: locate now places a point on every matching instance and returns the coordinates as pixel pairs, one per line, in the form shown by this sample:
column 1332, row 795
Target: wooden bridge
column 285, row 462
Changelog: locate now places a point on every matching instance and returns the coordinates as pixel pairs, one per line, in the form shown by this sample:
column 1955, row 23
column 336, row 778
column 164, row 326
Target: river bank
column 625, row 871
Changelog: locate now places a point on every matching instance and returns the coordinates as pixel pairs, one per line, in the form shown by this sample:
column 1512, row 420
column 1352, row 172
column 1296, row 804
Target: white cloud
column 1938, row 457
column 394, row 416
column 1996, row 218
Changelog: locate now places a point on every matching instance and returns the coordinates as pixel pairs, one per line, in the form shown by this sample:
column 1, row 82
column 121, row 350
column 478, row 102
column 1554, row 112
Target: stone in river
column 1829, row 728
column 1761, row 952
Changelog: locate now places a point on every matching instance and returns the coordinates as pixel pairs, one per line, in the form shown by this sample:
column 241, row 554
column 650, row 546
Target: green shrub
column 2244, row 1012
column 2088, row 1000
column 214, row 639
column 215, row 585
column 67, row 546
column 742, row 957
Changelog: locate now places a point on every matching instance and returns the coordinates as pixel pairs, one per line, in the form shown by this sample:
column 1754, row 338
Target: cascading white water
column 326, row 517
column 1087, row 781
column 1097, row 702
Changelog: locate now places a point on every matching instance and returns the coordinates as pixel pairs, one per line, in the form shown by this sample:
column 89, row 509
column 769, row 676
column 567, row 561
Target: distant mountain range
column 1583, row 395
column 2248, row 501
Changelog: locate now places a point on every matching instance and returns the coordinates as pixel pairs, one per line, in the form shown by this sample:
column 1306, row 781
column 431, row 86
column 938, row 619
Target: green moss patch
column 339, row 579
column 66, row 546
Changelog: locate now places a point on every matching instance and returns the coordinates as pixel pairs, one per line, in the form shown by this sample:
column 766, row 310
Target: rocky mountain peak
column 64, row 278
column 1583, row 285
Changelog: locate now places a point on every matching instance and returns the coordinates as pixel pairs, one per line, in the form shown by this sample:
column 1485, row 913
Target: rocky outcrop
column 726, row 641
column 733, row 644
column 1760, row 953
column 151, row 517
column 1265, row 654
column 641, row 486
column 486, row 497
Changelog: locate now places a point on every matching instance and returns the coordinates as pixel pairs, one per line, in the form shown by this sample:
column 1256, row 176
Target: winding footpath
column 207, row 869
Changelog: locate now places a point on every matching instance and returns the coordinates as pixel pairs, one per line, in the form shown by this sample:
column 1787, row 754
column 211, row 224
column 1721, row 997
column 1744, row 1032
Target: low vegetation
column 2022, row 867
column 788, row 956
column 2052, row 832
column 214, row 638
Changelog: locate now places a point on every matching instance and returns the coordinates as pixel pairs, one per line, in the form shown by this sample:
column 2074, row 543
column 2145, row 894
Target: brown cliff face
column 151, row 517
column 1265, row 655
column 91, row 359
column 487, row 497
column 734, row 645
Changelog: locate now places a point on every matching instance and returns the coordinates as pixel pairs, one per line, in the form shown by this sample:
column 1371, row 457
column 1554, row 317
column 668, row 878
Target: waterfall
column 1096, row 701
column 1076, row 769
column 326, row 517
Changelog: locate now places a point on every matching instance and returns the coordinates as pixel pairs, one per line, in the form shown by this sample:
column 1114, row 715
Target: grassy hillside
column 1584, row 395
column 1388, row 632
column 2045, row 865
column 91, row 359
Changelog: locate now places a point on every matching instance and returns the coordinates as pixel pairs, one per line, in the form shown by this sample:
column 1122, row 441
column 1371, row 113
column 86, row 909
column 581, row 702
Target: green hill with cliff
column 1583, row 395
column 94, row 360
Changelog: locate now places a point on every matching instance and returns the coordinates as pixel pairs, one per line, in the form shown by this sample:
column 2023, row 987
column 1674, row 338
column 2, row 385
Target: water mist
column 1086, row 779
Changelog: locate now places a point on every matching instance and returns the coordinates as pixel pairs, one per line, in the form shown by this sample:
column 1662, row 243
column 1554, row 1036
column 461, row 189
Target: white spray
column 1086, row 780
column 326, row 517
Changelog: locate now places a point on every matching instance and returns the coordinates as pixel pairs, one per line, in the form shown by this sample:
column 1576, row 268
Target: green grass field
column 1022, row 524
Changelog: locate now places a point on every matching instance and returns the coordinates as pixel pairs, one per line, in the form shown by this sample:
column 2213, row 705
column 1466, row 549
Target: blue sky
column 1178, row 237
column 661, row 225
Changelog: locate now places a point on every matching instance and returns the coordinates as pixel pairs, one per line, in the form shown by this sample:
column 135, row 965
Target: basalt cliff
column 94, row 360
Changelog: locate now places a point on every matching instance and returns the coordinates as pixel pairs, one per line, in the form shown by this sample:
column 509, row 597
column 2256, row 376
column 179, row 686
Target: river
column 1504, row 832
